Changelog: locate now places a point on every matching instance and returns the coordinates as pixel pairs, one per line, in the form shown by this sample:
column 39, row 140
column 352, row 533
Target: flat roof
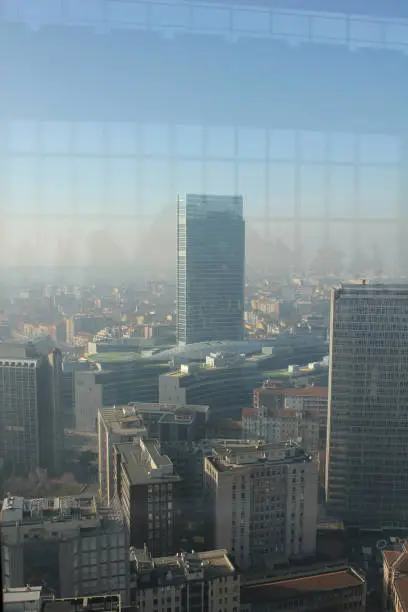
column 294, row 587
column 138, row 471
column 21, row 594
column 113, row 357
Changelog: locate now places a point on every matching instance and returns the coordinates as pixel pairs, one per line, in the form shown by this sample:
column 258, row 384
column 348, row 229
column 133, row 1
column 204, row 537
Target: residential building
column 366, row 462
column 321, row 589
column 30, row 406
column 185, row 581
column 210, row 268
column 395, row 578
column 175, row 427
column 71, row 544
column 147, row 487
column 262, row 502
column 114, row 378
column 309, row 400
column 281, row 426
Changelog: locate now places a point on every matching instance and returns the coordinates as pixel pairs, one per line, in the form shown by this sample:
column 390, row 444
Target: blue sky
column 108, row 93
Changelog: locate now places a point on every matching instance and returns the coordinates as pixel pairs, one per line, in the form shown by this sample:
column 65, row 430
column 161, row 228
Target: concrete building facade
column 147, row 488
column 262, row 502
column 185, row 581
column 73, row 545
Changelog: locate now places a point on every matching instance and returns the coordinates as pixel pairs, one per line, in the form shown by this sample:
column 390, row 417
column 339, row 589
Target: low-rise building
column 186, row 581
column 262, row 502
column 339, row 588
column 72, row 545
column 225, row 383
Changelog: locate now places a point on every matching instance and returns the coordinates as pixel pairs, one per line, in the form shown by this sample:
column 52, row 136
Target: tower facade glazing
column 367, row 432
column 210, row 268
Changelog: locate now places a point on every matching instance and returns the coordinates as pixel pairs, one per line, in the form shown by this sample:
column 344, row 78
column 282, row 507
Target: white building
column 262, row 502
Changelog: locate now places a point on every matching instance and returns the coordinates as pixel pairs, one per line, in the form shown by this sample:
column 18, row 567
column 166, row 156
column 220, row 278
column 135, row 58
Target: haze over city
column 203, row 305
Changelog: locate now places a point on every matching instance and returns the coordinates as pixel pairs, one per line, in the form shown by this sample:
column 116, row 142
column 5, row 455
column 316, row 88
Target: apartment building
column 185, row 581
column 262, row 502
column 281, row 425
column 71, row 544
column 308, row 400
column 175, row 427
column 147, row 487
column 366, row 459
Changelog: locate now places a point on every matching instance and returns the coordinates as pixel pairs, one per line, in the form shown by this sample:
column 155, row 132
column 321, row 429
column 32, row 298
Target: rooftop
column 176, row 569
column 21, row 594
column 26, row 510
column 307, row 392
column 113, row 357
column 239, row 453
column 97, row 603
column 300, row 586
column 401, row 587
column 143, row 463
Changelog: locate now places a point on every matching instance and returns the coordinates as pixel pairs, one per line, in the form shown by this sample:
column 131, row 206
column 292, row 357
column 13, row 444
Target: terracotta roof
column 401, row 564
column 249, row 412
column 390, row 556
column 307, row 392
column 269, row 391
column 290, row 588
column 401, row 587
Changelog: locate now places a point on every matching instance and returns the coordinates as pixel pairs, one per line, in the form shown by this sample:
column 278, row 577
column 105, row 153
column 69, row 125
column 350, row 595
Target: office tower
column 147, row 488
column 193, row 581
column 70, row 544
column 30, row 407
column 262, row 502
column 210, row 268
column 367, row 429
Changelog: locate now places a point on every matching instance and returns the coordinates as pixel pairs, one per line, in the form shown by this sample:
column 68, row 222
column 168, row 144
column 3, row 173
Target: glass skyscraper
column 367, row 430
column 210, row 268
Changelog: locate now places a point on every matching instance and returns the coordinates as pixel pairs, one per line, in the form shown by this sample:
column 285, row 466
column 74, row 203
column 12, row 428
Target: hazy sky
column 102, row 121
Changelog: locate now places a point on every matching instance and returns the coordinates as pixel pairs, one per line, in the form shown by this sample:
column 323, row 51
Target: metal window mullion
column 297, row 233
column 327, row 188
